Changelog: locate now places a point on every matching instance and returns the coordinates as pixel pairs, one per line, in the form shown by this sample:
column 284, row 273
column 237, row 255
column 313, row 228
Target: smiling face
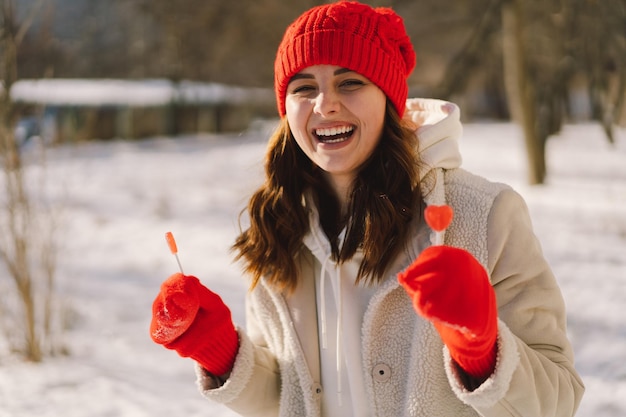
column 336, row 116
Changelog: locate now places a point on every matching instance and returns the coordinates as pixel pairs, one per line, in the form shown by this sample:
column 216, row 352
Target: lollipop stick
column 438, row 238
column 171, row 242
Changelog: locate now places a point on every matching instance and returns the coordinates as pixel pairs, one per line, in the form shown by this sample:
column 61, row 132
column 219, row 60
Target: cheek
column 370, row 109
column 297, row 119
column 294, row 110
column 381, row 106
column 375, row 121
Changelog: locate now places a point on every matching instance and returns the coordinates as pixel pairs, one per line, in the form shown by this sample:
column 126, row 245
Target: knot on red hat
column 394, row 36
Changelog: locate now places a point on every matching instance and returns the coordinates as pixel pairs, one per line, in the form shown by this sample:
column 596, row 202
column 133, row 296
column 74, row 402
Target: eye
column 301, row 88
column 351, row 84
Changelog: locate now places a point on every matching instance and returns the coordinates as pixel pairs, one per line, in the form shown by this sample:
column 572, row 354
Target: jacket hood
column 438, row 129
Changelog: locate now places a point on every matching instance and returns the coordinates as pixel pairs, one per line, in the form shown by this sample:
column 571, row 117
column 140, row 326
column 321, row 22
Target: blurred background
column 539, row 62
column 83, row 70
column 123, row 93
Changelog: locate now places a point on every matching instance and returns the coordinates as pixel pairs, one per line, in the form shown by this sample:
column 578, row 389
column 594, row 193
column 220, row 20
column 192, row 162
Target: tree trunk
column 520, row 88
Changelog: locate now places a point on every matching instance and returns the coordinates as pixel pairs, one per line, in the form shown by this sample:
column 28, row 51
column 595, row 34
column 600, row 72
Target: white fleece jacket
column 406, row 370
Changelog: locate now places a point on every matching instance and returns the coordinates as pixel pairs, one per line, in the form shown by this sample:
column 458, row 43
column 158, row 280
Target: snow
column 118, row 199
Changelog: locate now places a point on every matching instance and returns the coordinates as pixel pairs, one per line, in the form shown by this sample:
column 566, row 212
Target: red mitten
column 450, row 288
column 194, row 321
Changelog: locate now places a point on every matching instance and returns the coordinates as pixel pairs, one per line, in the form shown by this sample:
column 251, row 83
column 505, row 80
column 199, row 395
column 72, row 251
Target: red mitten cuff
column 194, row 321
column 449, row 287
column 476, row 355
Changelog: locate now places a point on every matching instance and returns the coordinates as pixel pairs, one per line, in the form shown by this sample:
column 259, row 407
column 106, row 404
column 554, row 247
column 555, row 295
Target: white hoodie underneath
column 353, row 299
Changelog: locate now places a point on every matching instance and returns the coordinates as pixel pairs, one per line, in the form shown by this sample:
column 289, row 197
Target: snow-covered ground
column 118, row 199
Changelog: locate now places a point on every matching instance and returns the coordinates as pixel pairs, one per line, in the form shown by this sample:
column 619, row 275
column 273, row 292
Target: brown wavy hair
column 384, row 198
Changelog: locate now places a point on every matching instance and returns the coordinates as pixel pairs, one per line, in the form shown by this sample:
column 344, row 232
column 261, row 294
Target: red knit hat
column 370, row 41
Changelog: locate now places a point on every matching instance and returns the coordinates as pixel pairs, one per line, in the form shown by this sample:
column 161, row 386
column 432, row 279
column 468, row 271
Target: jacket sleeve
column 253, row 387
column 535, row 373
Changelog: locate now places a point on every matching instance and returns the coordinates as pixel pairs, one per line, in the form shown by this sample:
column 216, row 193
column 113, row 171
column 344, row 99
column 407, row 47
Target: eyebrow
column 302, row 75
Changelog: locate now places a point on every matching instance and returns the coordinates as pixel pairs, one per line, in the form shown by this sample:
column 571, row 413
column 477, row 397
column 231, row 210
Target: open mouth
column 334, row 134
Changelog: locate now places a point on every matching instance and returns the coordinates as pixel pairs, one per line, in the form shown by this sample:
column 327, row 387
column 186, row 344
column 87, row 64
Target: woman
column 353, row 310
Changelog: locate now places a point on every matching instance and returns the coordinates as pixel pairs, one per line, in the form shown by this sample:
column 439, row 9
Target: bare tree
column 544, row 46
column 27, row 245
column 231, row 42
column 522, row 88
column 595, row 35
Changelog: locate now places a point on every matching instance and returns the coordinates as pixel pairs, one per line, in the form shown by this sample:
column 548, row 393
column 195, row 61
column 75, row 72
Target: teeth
column 340, row 139
column 334, row 131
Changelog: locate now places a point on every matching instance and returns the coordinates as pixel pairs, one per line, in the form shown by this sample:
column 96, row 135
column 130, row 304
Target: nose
column 326, row 103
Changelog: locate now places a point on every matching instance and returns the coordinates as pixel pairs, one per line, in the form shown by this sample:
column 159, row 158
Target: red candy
column 438, row 217
column 171, row 242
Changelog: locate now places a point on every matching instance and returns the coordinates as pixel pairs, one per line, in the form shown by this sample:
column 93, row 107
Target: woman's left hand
column 450, row 287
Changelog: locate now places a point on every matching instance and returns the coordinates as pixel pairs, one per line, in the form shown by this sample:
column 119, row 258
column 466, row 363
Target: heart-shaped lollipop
column 438, row 218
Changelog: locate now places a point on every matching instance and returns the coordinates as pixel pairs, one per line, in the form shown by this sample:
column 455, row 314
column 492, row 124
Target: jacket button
column 317, row 390
column 381, row 372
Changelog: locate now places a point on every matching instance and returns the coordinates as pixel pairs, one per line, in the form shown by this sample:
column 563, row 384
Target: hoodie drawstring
column 339, row 346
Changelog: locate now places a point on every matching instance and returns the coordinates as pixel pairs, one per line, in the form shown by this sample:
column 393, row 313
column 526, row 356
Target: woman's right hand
column 194, row 321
